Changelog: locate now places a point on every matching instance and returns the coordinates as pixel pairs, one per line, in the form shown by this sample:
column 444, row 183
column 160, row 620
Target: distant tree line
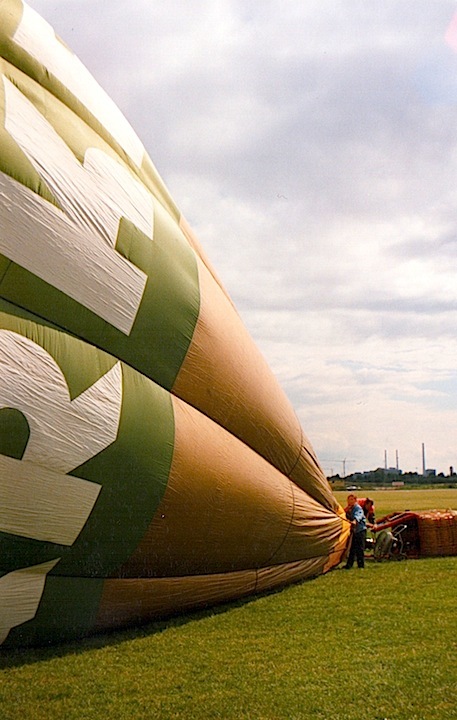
column 380, row 476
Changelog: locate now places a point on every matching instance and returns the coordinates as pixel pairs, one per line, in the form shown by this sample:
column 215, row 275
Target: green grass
column 387, row 501
column 359, row 645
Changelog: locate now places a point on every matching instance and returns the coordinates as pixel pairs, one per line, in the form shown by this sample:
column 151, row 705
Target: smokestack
column 396, row 455
column 423, row 458
column 385, row 459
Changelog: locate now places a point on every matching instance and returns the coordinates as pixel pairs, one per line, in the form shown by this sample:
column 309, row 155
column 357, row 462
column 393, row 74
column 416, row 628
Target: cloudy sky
column 312, row 146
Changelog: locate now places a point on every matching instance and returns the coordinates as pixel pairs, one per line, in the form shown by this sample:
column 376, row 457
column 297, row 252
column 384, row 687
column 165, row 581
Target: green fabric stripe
column 11, row 14
column 91, row 364
column 133, row 470
column 4, row 265
column 20, row 552
column 11, row 11
column 14, row 433
column 68, row 610
column 13, row 162
column 169, row 310
column 13, row 314
column 166, row 318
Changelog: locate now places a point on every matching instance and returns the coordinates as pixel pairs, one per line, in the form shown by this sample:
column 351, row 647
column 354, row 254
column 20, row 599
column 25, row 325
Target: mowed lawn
column 361, row 645
column 387, row 501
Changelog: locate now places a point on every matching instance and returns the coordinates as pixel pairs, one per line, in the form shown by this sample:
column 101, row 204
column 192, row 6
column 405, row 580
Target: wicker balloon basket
column 429, row 533
column 437, row 532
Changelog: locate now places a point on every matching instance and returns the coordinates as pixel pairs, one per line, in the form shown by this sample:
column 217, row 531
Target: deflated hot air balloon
column 149, row 461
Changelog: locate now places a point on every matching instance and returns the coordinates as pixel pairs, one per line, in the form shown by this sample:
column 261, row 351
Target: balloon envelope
column 149, row 460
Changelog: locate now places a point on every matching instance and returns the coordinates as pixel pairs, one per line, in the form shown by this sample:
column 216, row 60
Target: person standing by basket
column 356, row 517
column 367, row 505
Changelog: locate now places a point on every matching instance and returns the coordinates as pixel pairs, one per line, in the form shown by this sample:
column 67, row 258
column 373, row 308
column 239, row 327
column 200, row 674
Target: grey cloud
column 337, row 124
column 440, row 245
column 313, row 148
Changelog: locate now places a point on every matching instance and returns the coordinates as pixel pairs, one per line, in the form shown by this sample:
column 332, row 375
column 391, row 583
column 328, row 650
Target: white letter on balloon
column 37, row 498
column 73, row 245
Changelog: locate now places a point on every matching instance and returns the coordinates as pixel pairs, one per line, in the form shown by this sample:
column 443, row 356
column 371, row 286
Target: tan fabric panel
column 341, row 548
column 225, row 508
column 195, row 244
column 278, row 575
column 313, row 531
column 225, row 376
column 131, row 602
column 309, row 476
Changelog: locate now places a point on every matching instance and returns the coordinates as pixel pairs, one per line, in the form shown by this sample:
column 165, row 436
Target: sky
column 312, row 147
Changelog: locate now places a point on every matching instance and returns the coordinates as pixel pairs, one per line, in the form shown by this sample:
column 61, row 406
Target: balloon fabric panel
column 149, row 460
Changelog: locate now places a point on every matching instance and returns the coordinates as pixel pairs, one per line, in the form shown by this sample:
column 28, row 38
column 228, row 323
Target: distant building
column 392, row 471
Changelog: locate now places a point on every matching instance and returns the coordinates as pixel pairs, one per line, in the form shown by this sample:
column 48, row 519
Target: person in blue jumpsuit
column 356, row 517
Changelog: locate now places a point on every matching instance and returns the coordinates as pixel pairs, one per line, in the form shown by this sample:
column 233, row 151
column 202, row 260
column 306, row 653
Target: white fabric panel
column 42, row 504
column 64, row 433
column 73, row 250
column 20, row 595
column 37, row 499
column 38, row 39
column 130, row 197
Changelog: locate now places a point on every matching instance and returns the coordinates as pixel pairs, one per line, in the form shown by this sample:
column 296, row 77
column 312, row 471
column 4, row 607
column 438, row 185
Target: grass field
column 374, row 644
column 387, row 501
